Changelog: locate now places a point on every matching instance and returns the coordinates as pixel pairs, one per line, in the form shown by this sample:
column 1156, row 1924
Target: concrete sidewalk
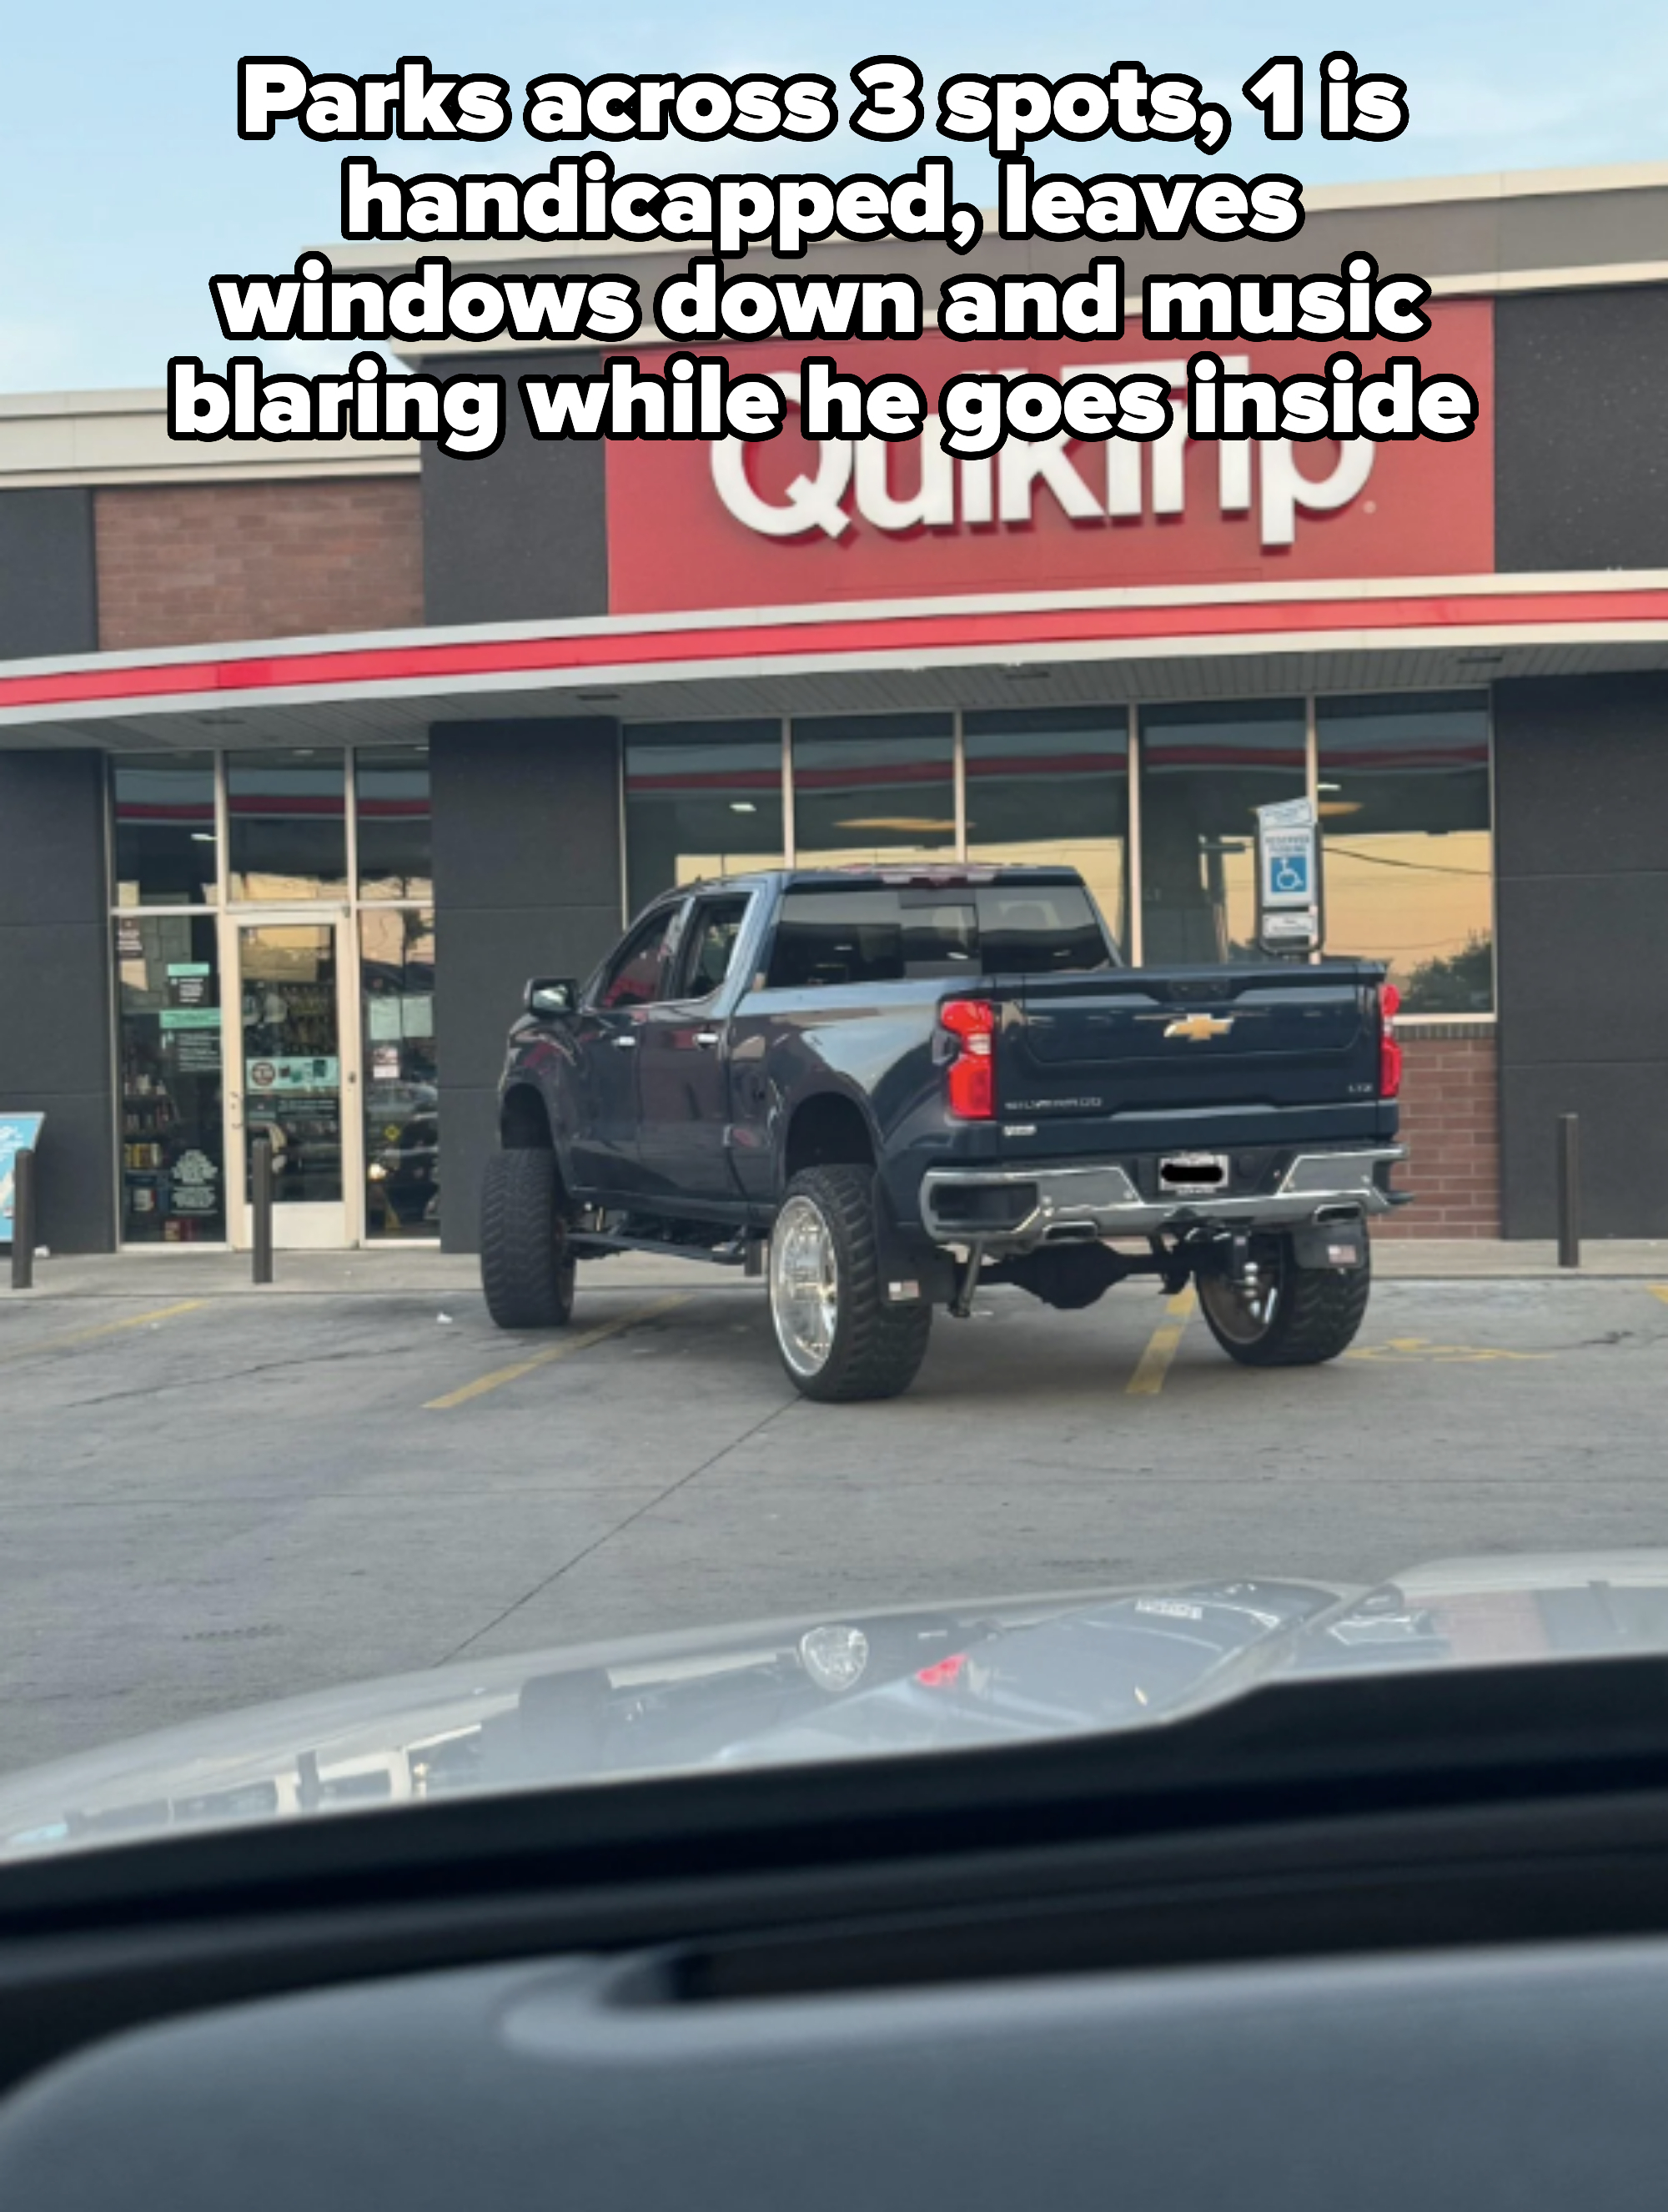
column 427, row 1272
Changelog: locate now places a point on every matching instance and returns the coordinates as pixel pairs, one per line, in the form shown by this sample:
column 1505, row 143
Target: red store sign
column 792, row 523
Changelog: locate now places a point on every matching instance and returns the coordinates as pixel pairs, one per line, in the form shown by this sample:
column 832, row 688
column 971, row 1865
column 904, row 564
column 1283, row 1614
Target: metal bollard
column 23, row 1220
column 1570, row 1190
column 260, row 1203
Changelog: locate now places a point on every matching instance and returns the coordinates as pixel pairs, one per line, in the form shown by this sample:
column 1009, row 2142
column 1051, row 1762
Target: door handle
column 625, row 1042
column 707, row 1037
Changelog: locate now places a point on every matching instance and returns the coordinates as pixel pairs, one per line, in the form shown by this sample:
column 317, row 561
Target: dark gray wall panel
column 522, row 535
column 48, row 586
column 1586, row 953
column 51, row 837
column 55, row 1007
column 1587, row 767
column 1624, row 1147
column 468, row 1130
column 1580, row 430
column 1581, row 857
column 526, row 882
column 43, row 970
column 527, row 813
column 498, row 952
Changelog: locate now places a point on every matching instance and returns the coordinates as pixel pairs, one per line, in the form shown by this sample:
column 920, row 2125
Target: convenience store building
column 310, row 755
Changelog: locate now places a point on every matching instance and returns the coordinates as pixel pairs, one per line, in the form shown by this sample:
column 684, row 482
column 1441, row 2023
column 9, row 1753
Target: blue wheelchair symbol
column 1291, row 872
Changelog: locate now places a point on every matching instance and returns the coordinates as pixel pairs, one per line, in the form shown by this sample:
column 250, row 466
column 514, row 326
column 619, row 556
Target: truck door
column 608, row 1033
column 683, row 1062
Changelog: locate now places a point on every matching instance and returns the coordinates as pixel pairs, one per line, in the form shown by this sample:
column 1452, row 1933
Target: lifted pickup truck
column 886, row 1087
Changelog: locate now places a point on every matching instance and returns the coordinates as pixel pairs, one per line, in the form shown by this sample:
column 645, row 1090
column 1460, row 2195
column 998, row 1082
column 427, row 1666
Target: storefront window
column 702, row 800
column 173, row 1157
column 286, row 825
column 873, row 788
column 1205, row 771
column 165, row 843
column 393, row 824
column 1404, row 796
column 1050, row 787
column 402, row 1103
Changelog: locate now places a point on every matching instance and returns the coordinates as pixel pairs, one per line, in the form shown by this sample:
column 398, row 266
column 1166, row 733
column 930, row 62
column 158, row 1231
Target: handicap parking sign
column 1288, row 875
column 1288, row 868
column 1289, row 871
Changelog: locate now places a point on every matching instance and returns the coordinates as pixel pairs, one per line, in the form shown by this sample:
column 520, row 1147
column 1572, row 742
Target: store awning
column 1071, row 648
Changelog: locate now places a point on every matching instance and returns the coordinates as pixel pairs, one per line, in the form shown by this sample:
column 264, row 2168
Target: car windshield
column 832, row 888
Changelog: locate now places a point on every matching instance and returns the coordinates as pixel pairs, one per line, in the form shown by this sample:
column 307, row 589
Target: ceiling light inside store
column 742, row 806
column 202, row 836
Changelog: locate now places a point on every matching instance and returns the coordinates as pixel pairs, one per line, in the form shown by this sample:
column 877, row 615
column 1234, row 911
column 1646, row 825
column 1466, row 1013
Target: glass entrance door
column 292, row 1077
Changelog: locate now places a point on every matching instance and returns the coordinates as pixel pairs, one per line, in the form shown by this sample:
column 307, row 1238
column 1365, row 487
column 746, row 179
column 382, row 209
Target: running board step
column 590, row 1245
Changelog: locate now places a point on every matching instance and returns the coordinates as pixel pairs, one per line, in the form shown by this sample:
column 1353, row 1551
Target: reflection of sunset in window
column 1403, row 790
column 1401, row 780
column 1408, row 898
column 1205, row 769
column 1049, row 787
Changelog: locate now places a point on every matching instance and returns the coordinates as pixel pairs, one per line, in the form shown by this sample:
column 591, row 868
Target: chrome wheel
column 1242, row 1310
column 804, row 1286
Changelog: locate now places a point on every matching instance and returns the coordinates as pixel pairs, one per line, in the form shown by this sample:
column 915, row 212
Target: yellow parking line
column 1154, row 1364
column 569, row 1345
column 1660, row 1290
column 105, row 1328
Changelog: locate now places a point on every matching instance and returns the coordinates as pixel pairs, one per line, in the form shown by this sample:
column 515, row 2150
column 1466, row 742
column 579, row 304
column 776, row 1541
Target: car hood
column 829, row 1686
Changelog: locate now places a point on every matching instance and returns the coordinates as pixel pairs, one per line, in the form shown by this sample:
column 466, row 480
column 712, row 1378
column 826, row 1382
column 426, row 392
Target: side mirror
column 551, row 995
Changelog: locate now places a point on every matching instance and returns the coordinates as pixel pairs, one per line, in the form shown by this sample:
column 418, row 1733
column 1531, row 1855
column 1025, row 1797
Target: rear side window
column 711, row 946
column 868, row 935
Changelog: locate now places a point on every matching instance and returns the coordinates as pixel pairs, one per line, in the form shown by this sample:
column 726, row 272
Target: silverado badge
column 1198, row 1029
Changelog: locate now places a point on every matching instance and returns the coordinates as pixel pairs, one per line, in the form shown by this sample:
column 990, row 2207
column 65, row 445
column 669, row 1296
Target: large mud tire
column 1295, row 1318
column 838, row 1337
column 527, row 1268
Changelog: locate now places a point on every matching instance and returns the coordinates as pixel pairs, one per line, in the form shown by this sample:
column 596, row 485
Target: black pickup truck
column 883, row 1088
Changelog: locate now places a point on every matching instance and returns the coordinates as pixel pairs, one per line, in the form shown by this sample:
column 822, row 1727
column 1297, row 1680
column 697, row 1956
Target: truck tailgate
column 1113, row 1061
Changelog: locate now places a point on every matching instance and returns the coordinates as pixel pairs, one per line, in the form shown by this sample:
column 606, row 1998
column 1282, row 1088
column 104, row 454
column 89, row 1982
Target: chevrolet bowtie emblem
column 1198, row 1029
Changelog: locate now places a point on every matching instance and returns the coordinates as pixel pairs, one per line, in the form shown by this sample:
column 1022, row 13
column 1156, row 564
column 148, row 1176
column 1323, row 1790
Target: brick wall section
column 185, row 564
column 1451, row 1127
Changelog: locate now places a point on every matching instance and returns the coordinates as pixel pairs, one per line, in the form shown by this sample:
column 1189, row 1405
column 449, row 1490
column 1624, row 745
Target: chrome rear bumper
column 1072, row 1204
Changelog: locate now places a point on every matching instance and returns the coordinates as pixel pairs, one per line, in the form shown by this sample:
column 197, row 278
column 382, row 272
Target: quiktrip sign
column 792, row 521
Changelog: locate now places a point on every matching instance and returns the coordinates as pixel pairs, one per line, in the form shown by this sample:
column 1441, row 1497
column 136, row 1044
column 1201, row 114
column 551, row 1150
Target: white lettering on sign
column 1128, row 481
column 808, row 503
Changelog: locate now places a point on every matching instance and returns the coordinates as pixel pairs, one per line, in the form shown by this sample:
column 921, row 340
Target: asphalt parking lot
column 208, row 1501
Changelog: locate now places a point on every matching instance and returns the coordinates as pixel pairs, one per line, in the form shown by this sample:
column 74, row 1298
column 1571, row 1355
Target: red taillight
column 943, row 1672
column 973, row 1071
column 1389, row 1048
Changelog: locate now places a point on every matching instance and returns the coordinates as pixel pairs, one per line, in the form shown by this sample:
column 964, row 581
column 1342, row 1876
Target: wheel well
column 827, row 1132
column 523, row 1124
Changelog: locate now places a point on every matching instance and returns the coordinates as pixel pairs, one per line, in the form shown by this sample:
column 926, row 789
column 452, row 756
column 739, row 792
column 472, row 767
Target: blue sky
column 123, row 185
